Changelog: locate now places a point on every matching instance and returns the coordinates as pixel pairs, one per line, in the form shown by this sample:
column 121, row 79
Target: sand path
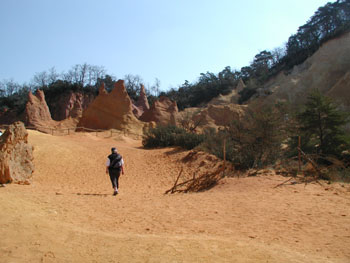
column 68, row 213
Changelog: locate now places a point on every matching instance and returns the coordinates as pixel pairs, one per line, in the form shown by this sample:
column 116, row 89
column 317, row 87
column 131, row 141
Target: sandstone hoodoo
column 16, row 155
column 111, row 111
column 37, row 112
column 163, row 112
column 142, row 103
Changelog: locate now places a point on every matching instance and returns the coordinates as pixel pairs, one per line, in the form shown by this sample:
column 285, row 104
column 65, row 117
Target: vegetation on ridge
column 328, row 22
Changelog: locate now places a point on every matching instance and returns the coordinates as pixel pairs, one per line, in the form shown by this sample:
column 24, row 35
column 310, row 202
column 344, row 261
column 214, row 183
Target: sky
column 173, row 40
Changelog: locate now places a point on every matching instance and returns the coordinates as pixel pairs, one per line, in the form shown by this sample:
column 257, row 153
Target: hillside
column 327, row 69
column 68, row 213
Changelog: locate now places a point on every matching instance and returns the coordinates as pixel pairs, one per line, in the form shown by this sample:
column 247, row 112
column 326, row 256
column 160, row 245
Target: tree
column 84, row 75
column 322, row 125
column 108, row 80
column 41, row 79
column 256, row 136
column 133, row 85
column 155, row 88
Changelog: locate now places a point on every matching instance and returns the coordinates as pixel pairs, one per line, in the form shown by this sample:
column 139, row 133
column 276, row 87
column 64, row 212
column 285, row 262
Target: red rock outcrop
column 16, row 155
column 142, row 103
column 111, row 111
column 37, row 112
column 163, row 112
column 70, row 105
column 137, row 111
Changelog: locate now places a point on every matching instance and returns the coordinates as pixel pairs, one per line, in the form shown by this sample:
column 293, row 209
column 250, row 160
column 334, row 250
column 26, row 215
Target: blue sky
column 173, row 40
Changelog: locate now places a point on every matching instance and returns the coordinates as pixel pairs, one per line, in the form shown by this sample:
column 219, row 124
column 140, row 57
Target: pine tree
column 322, row 125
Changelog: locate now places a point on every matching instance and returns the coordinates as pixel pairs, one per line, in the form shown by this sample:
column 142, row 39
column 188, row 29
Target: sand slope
column 69, row 214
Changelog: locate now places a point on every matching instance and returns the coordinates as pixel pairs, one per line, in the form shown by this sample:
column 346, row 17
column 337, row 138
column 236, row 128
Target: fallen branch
column 196, row 184
column 175, row 184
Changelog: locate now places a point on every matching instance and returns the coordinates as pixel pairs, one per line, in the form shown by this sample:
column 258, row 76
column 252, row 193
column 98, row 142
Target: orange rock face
column 16, row 155
column 111, row 111
column 163, row 112
column 142, row 103
column 37, row 112
column 70, row 104
column 37, row 109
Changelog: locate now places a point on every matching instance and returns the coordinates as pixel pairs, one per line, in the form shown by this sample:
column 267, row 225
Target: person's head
column 114, row 150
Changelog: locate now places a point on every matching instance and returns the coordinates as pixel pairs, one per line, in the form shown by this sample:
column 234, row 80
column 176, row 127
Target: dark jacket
column 115, row 158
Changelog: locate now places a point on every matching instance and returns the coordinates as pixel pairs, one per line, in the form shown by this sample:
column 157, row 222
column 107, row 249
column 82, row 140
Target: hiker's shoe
column 115, row 193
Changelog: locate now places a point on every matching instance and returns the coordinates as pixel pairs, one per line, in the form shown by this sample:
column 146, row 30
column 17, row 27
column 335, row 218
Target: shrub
column 165, row 136
column 252, row 140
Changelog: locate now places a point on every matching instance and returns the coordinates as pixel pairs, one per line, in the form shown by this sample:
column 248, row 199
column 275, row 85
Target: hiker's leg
column 113, row 179
column 117, row 179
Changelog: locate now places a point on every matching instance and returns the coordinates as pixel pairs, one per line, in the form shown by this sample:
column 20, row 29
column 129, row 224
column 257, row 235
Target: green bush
column 165, row 136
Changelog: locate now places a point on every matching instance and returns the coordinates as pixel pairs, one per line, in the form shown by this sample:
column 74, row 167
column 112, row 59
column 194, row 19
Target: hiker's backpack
column 116, row 163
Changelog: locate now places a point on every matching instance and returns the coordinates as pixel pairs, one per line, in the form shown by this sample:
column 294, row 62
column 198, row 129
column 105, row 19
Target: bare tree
column 41, row 79
column 277, row 54
column 94, row 73
column 9, row 87
column 190, row 121
column 132, row 85
column 52, row 75
column 84, row 74
column 155, row 88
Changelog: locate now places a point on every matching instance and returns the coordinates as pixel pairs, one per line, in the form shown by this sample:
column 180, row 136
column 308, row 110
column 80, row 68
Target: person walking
column 115, row 165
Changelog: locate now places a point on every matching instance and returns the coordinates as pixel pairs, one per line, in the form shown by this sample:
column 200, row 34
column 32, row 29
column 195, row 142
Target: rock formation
column 213, row 116
column 137, row 111
column 142, row 103
column 37, row 112
column 70, row 105
column 16, row 155
column 232, row 97
column 162, row 112
column 36, row 108
column 111, row 111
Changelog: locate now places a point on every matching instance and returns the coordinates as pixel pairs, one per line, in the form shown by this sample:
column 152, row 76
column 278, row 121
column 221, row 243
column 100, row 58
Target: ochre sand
column 68, row 213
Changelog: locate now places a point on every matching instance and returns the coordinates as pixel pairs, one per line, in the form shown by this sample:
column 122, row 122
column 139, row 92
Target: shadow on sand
column 87, row 194
column 92, row 194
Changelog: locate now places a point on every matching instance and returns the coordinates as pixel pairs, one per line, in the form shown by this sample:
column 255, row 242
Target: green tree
column 322, row 125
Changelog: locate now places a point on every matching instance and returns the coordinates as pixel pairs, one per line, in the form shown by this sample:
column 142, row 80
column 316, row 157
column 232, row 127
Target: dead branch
column 197, row 183
column 284, row 182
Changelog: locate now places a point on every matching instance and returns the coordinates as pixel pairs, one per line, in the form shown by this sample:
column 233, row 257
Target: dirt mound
column 111, row 111
column 163, row 112
column 16, row 155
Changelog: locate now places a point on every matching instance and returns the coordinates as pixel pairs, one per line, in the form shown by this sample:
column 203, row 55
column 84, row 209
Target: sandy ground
column 68, row 213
